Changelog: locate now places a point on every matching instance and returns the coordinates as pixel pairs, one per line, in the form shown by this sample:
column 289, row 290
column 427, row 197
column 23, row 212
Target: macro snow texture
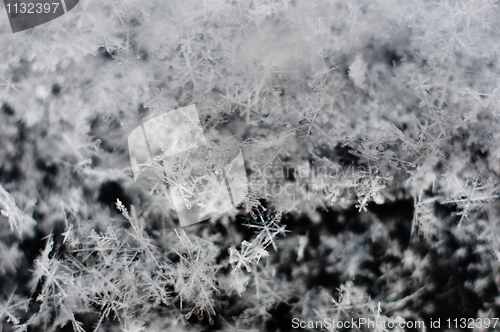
column 370, row 134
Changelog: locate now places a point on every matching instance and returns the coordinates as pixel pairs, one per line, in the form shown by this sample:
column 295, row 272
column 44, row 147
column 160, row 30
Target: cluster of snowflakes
column 402, row 98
